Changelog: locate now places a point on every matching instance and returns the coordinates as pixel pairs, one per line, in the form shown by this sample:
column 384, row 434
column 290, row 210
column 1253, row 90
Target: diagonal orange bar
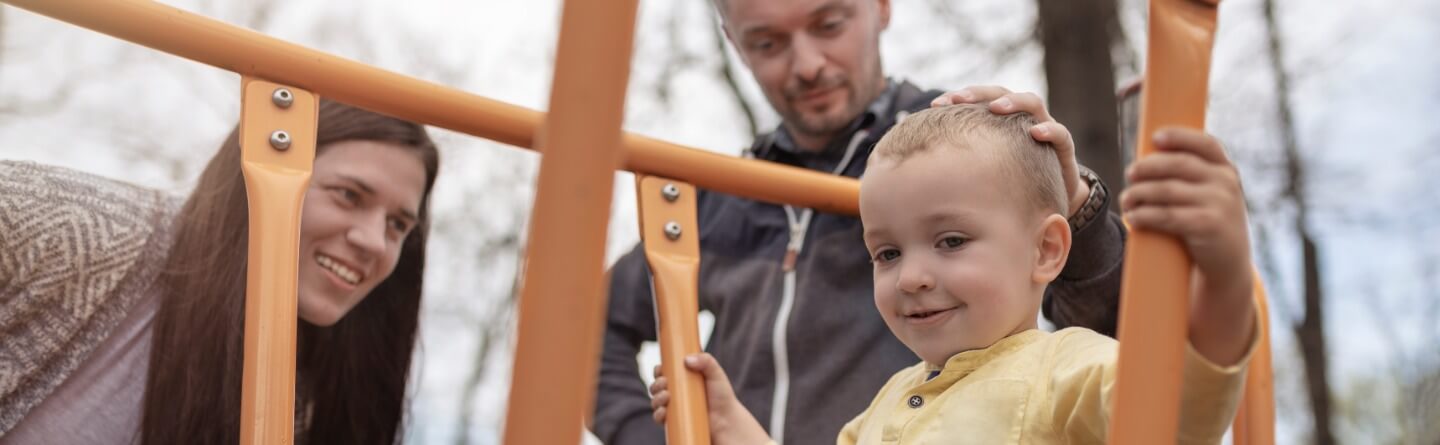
column 247, row 52
column 276, row 170
column 562, row 299
column 1153, row 293
column 671, row 235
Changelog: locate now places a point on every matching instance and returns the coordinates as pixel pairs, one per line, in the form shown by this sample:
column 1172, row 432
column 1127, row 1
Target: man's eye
column 347, row 195
column 951, row 242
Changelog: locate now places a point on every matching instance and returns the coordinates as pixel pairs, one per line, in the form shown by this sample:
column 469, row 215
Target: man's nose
column 809, row 60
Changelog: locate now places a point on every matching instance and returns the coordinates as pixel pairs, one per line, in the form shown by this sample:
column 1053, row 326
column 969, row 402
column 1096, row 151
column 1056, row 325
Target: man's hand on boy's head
column 1003, row 101
column 1190, row 189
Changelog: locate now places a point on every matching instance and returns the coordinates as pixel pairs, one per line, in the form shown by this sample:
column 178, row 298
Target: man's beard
column 828, row 122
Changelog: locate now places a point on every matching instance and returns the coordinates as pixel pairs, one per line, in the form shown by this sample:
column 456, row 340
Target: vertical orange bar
column 671, row 235
column 1255, row 423
column 1156, row 282
column 275, row 181
column 562, row 300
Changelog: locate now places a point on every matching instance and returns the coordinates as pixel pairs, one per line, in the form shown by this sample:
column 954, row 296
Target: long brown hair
column 351, row 376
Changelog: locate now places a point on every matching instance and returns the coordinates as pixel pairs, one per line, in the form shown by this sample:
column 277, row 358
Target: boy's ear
column 1052, row 248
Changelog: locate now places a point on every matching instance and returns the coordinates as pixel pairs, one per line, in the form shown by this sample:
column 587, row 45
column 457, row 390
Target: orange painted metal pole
column 562, row 299
column 247, row 52
column 1153, row 293
column 277, row 143
column 671, row 235
column 1255, row 423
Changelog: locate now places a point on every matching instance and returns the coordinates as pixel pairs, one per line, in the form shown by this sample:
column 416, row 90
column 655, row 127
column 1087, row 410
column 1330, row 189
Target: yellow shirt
column 1034, row 388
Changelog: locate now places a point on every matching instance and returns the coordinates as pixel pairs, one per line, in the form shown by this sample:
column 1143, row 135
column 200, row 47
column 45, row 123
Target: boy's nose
column 914, row 279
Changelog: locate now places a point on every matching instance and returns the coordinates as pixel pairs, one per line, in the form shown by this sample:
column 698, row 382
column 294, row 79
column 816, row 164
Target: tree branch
column 727, row 73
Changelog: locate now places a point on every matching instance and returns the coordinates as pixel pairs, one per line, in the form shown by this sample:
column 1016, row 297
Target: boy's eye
column 885, row 256
column 950, row 242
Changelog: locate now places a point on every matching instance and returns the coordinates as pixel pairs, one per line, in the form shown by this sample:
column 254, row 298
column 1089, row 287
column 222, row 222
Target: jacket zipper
column 799, row 220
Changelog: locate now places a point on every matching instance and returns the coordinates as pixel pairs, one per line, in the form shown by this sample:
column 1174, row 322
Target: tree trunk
column 1311, row 329
column 1311, row 334
column 1081, row 80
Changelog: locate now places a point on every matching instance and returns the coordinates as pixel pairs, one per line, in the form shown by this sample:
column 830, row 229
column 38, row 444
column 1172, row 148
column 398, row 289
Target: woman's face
column 364, row 199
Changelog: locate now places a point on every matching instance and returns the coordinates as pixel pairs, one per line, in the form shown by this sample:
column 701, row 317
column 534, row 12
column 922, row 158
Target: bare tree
column 1310, row 331
column 496, row 327
column 1080, row 73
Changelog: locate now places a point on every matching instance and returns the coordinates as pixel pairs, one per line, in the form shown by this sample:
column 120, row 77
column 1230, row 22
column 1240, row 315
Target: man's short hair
column 973, row 127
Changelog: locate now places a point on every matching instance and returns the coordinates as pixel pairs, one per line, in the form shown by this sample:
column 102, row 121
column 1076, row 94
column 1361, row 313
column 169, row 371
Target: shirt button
column 916, row 401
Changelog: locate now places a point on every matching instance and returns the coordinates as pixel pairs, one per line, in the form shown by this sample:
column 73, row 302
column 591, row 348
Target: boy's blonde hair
column 1006, row 138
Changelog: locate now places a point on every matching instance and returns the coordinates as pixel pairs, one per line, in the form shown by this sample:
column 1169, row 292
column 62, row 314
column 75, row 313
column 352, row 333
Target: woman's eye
column 886, row 256
column 399, row 225
column 950, row 242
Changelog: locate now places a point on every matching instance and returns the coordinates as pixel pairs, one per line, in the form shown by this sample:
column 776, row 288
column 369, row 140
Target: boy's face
column 960, row 261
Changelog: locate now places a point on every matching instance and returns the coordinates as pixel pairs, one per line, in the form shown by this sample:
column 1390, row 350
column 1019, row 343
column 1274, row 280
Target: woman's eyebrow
column 364, row 186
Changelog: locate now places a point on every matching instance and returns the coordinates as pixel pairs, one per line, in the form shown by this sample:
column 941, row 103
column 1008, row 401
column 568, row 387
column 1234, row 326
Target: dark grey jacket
column 805, row 348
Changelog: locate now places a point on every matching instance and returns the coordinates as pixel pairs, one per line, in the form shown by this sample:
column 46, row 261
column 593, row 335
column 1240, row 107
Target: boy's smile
column 956, row 249
column 922, row 316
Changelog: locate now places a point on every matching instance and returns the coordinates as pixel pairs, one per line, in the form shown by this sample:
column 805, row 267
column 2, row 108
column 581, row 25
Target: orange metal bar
column 277, row 171
column 1153, row 296
column 562, row 300
column 247, row 52
column 1255, row 423
column 671, row 235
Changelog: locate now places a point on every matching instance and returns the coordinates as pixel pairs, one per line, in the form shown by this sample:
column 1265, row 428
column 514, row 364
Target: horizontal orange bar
column 250, row 53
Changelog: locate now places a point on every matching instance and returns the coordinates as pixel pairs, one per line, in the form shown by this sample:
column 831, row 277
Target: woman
column 123, row 315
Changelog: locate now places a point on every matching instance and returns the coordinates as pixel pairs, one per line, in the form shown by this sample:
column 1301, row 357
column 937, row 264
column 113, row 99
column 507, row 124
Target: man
column 790, row 288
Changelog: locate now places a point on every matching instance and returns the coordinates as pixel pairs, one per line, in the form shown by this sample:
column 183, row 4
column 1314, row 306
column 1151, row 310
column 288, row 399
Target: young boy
column 962, row 212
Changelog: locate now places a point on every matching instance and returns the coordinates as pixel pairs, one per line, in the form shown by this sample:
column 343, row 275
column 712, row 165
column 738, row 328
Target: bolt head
column 672, row 230
column 280, row 140
column 282, row 97
column 670, row 192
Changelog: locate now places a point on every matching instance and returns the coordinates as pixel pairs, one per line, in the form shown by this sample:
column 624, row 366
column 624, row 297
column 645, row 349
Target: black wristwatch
column 1093, row 203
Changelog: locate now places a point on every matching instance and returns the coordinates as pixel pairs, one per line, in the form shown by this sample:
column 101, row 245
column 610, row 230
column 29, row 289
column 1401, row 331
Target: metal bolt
column 282, row 98
column 672, row 230
column 280, row 140
column 670, row 192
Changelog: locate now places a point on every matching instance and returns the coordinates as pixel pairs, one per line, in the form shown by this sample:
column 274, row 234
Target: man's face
column 818, row 61
column 955, row 252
